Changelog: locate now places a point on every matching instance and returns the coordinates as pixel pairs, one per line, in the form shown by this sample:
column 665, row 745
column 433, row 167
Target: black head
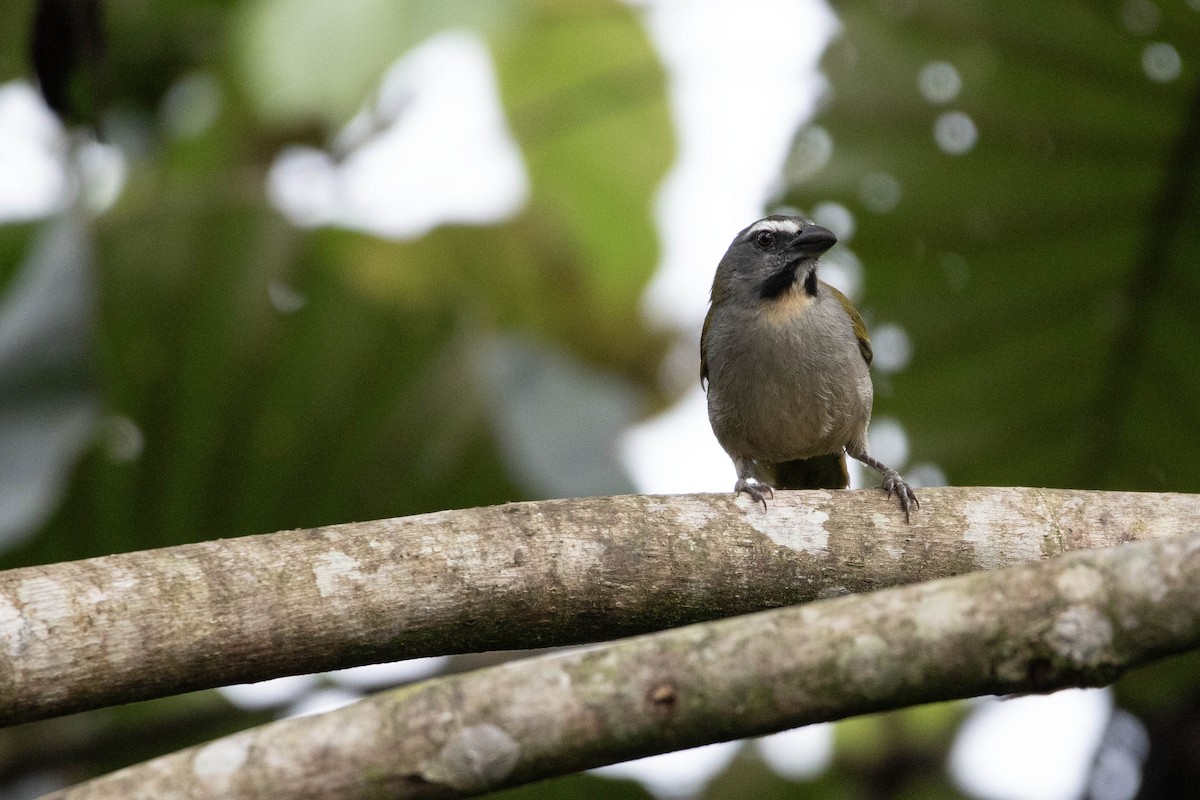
column 771, row 255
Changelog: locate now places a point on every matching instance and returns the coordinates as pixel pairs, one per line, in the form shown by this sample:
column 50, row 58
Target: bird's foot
column 893, row 484
column 759, row 492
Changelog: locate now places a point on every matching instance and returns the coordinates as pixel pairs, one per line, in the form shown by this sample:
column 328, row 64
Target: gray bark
column 128, row 627
column 1077, row 620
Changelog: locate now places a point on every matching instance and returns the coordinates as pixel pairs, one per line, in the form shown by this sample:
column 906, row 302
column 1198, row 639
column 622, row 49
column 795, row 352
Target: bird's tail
column 818, row 472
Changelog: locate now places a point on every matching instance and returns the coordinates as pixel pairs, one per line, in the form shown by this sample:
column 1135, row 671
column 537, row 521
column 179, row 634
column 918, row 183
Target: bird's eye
column 764, row 238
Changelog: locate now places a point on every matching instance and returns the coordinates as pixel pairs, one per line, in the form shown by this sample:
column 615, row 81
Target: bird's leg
column 746, row 482
column 892, row 482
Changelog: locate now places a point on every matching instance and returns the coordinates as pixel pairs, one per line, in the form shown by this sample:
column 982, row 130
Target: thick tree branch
column 1073, row 621
column 128, row 627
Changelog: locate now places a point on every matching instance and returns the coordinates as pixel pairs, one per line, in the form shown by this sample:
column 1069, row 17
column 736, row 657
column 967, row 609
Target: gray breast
column 796, row 389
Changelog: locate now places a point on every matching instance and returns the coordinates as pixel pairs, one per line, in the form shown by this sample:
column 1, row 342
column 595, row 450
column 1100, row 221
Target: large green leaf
column 585, row 93
column 1046, row 274
column 247, row 415
column 260, row 377
column 307, row 60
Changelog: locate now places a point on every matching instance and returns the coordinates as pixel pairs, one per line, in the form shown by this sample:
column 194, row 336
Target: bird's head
column 769, row 257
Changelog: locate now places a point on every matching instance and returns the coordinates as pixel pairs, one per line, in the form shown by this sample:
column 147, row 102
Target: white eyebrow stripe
column 785, row 226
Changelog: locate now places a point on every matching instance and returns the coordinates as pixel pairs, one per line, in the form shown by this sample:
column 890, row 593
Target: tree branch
column 128, row 627
column 1076, row 620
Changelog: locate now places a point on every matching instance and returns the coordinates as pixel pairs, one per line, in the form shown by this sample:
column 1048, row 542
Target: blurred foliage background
column 181, row 362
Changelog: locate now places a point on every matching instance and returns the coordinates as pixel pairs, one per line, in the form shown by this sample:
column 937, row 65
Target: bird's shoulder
column 860, row 327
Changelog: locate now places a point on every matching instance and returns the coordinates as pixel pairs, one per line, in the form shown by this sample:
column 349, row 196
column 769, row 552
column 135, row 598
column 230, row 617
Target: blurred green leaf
column 1044, row 275
column 14, row 40
column 585, row 94
column 249, row 414
column 559, row 422
column 307, row 60
column 48, row 392
column 15, row 240
column 259, row 377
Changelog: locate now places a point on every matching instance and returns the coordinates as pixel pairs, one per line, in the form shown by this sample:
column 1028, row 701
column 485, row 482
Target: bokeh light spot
column 121, row 439
column 892, row 346
column 842, row 269
column 102, row 169
column 812, row 150
column 1161, row 62
column 191, row 105
column 1035, row 747
column 303, row 185
column 880, row 192
column 888, row 442
column 939, row 82
column 837, row 218
column 798, row 754
column 931, row 475
column 284, row 298
column 1117, row 774
column 955, row 133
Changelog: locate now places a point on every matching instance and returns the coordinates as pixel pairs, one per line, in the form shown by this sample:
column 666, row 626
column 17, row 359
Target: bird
column 784, row 358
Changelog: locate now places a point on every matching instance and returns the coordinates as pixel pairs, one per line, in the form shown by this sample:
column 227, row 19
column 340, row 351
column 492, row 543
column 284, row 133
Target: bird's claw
column 759, row 492
column 893, row 484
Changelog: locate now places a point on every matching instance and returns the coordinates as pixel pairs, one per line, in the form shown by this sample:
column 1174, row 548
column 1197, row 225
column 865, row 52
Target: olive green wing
column 860, row 329
column 704, row 347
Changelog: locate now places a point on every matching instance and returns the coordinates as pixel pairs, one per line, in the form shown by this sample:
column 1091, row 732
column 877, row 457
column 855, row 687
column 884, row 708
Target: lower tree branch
column 128, row 627
column 1077, row 620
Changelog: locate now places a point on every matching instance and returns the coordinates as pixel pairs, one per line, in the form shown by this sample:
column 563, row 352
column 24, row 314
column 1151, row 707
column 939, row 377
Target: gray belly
column 795, row 393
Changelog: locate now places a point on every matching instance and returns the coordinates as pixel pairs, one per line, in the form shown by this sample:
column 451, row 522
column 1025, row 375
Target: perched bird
column 785, row 358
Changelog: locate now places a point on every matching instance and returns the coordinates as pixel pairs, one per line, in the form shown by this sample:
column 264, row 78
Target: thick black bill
column 812, row 241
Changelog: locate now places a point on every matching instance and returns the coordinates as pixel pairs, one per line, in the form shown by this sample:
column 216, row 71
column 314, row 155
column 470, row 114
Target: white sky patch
column 735, row 116
column 377, row 676
column 676, row 452
column 448, row 156
column 266, row 694
column 682, row 774
column 837, row 218
column 321, row 701
column 41, row 173
column 33, row 176
column 888, row 442
column 1031, row 748
column 798, row 754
